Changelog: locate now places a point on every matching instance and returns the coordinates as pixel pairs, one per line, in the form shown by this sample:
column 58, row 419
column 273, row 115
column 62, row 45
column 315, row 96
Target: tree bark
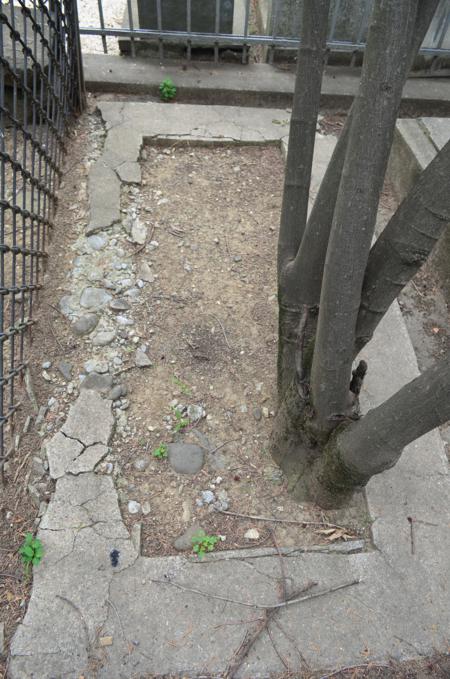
column 302, row 134
column 373, row 122
column 374, row 443
column 303, row 276
column 405, row 244
column 302, row 131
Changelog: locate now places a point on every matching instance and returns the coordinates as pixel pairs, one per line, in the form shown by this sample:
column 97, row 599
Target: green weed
column 160, row 452
column 203, row 543
column 167, row 90
column 31, row 552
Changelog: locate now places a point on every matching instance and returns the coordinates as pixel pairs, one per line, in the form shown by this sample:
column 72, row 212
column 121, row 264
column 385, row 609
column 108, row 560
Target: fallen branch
column 322, row 524
column 266, row 607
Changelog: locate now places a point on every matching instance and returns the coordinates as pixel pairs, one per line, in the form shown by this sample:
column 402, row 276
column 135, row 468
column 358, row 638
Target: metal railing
column 347, row 29
column 41, row 86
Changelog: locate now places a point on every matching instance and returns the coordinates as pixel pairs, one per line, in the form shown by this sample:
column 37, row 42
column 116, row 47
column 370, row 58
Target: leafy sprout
column 160, row 452
column 203, row 543
column 31, row 552
column 167, row 90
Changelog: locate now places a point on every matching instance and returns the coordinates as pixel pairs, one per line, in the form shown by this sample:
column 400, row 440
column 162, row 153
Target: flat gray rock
column 102, row 339
column 185, row 458
column 104, row 198
column 94, row 298
column 97, row 382
column 85, row 324
column 90, row 419
column 142, row 360
column 65, row 368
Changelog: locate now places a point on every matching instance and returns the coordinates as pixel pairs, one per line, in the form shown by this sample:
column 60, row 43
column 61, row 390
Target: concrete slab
column 250, row 85
column 438, row 130
column 398, row 607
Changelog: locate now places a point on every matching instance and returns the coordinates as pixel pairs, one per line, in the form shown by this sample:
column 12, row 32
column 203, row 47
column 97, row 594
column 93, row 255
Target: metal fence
column 40, row 88
column 273, row 24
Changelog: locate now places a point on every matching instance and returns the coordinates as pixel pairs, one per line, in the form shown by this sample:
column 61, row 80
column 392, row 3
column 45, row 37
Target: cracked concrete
column 401, row 606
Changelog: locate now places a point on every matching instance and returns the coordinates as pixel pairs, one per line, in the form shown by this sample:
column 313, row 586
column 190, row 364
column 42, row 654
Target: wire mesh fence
column 41, row 86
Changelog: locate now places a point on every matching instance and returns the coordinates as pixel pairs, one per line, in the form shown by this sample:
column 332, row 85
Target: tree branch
column 375, row 112
column 310, row 63
column 405, row 244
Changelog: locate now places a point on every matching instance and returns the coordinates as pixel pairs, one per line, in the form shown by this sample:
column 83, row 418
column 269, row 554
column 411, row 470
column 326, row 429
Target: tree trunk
column 405, row 244
column 297, row 182
column 373, row 444
column 373, row 123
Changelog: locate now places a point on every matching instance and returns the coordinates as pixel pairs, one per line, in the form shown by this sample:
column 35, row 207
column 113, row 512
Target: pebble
column 138, row 232
column 141, row 465
column 237, row 258
column 124, row 320
column 208, row 496
column 102, row 339
column 145, row 273
column 134, row 507
column 94, row 298
column 265, row 412
column 257, row 414
column 251, row 534
column 185, row 458
column 66, row 304
column 65, row 368
column 85, row 324
column 46, row 365
column 96, row 242
column 119, row 304
column 142, row 360
column 195, row 412
column 92, row 365
column 184, row 541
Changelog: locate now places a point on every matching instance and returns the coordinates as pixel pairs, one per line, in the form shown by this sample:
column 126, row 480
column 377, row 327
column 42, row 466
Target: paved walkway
column 88, row 617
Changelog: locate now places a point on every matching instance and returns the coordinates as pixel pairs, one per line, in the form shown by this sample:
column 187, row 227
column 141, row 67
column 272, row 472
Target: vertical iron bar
column 274, row 25
column 102, row 25
column 246, row 22
column 188, row 28
column 159, row 22
column 2, row 252
column 217, row 31
column 131, row 25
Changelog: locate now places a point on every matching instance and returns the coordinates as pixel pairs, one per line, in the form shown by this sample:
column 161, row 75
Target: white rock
column 134, row 507
column 252, row 534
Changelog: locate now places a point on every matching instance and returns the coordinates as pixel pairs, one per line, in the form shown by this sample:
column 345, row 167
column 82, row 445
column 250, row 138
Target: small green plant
column 181, row 422
column 182, row 386
column 203, row 543
column 160, row 452
column 31, row 552
column 167, row 90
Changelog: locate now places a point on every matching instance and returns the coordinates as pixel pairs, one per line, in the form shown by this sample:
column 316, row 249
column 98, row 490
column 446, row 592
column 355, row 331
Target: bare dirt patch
column 210, row 320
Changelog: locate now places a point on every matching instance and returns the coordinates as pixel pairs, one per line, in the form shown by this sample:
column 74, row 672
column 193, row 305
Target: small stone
column 97, row 382
column 195, row 412
column 257, row 414
column 46, row 365
column 265, row 412
column 96, row 242
column 208, row 496
column 102, row 339
column 105, row 641
column 141, row 465
column 184, row 541
column 92, row 365
column 185, row 458
column 251, row 534
column 65, row 368
column 85, row 324
column 146, row 509
column 237, row 258
column 117, row 391
column 142, row 360
column 138, row 232
column 94, row 298
column 145, row 272
column 124, row 320
column 134, row 507
column 66, row 305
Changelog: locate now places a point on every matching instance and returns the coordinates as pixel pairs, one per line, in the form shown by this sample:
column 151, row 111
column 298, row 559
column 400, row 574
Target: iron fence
column 273, row 24
column 41, row 87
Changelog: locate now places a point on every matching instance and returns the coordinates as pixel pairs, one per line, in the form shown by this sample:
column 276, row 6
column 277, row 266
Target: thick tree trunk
column 373, row 122
column 405, row 244
column 374, row 443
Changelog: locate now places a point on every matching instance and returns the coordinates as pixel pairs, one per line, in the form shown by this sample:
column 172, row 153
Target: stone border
column 83, row 608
